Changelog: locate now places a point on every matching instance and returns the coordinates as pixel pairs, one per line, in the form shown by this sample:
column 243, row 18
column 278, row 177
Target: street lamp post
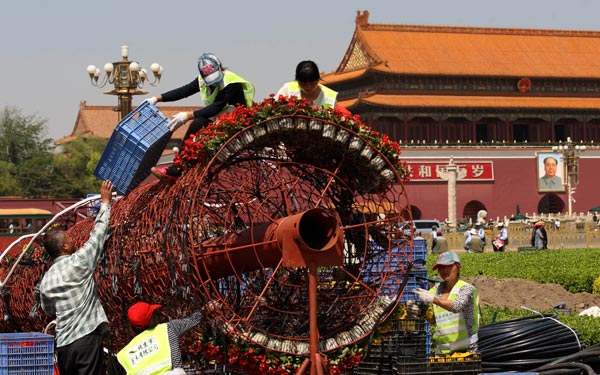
column 570, row 155
column 128, row 78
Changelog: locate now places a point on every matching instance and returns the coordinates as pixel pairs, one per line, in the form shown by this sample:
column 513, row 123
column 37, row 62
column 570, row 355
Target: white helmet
column 210, row 69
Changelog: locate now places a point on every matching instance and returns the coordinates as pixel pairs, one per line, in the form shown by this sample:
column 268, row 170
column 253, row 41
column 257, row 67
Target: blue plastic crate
column 416, row 279
column 29, row 353
column 419, row 249
column 134, row 147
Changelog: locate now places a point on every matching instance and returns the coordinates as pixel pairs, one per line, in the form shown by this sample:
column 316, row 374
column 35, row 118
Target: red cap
column 140, row 314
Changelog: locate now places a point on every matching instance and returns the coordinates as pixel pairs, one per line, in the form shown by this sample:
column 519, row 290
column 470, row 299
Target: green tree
column 24, row 154
column 36, row 176
column 21, row 137
column 75, row 166
column 9, row 184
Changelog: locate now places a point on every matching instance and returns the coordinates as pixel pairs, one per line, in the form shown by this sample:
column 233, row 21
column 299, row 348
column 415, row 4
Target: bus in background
column 15, row 222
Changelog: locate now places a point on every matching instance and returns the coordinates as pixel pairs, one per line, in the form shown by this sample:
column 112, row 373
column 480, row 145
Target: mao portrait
column 550, row 171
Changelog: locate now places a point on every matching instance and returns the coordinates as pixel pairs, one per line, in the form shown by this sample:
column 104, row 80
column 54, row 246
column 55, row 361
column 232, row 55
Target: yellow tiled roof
column 100, row 121
column 454, row 101
column 470, row 51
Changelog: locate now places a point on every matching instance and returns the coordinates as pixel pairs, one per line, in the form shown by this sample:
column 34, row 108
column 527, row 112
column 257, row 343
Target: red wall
column 515, row 182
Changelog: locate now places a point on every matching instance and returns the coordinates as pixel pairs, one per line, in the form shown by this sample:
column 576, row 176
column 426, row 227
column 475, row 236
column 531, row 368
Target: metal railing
column 571, row 235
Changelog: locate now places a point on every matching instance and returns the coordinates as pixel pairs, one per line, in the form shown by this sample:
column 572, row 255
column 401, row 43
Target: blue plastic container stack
column 134, row 147
column 407, row 345
column 30, row 353
column 418, row 274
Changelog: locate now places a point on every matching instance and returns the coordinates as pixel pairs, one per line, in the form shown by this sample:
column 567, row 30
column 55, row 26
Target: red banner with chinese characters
column 467, row 171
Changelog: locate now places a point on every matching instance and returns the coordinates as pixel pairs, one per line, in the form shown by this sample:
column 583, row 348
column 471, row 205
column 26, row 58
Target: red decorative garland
column 203, row 145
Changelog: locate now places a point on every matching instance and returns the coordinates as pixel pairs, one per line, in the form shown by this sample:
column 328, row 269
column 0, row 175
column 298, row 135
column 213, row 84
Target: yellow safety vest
column 328, row 94
column 229, row 77
column 149, row 353
column 451, row 334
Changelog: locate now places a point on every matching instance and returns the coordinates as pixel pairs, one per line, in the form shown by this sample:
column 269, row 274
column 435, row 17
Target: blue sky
column 47, row 45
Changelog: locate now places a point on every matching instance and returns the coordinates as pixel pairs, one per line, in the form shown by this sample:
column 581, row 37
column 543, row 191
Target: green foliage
column 36, row 176
column 21, row 137
column 75, row 167
column 574, row 269
column 587, row 327
column 24, row 155
column 9, row 185
column 29, row 168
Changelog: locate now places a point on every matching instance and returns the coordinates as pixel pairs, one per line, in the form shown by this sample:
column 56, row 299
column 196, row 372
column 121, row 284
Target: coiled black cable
column 533, row 343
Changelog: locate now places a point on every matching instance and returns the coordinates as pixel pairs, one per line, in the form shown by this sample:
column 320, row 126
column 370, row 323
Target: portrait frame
column 547, row 183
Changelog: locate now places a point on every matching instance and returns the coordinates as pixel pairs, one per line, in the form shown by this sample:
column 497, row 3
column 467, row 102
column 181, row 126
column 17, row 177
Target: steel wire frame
column 161, row 247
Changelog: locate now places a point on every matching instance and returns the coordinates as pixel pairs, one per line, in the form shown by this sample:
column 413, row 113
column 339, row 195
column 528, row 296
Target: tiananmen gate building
column 495, row 101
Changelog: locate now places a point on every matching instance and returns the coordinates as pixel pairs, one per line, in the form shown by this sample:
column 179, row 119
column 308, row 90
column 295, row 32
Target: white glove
column 424, row 295
column 178, row 120
column 152, row 100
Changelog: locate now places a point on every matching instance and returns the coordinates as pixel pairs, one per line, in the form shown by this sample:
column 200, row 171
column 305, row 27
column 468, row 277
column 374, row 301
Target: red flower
column 203, row 145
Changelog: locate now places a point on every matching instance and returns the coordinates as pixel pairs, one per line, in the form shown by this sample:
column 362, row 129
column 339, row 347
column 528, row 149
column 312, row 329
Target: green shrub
column 576, row 270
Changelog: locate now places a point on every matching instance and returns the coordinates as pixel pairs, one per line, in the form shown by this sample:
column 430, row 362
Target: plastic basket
column 470, row 365
column 412, row 366
column 416, row 279
column 26, row 353
column 134, row 147
column 419, row 249
column 373, row 367
column 413, row 344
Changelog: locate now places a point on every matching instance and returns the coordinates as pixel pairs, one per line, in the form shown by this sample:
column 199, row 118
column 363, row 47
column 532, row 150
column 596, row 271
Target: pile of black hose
column 586, row 361
column 536, row 342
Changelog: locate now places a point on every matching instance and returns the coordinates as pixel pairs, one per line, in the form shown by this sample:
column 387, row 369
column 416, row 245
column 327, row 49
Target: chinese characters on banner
column 475, row 171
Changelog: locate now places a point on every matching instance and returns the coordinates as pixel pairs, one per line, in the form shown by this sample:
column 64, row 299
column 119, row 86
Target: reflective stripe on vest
column 451, row 332
column 149, row 353
column 228, row 78
column 329, row 96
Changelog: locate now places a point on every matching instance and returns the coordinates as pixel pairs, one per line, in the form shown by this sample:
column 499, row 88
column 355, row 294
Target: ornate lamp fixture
column 128, row 78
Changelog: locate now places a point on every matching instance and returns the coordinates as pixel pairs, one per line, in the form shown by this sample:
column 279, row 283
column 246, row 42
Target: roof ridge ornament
column 362, row 18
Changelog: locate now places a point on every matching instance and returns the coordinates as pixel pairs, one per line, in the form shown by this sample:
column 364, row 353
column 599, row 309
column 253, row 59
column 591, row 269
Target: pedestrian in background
column 539, row 237
column 434, row 234
column 473, row 243
column 68, row 291
column 441, row 244
column 480, row 227
column 502, row 239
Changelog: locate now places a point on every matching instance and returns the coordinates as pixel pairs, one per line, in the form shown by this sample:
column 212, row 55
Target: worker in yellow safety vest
column 220, row 89
column 155, row 350
column 307, row 86
column 455, row 307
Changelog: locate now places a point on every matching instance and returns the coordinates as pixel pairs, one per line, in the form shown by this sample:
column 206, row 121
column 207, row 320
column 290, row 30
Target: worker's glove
column 152, row 100
column 178, row 120
column 424, row 295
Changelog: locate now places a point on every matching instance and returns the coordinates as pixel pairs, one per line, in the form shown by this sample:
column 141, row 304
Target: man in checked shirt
column 68, row 292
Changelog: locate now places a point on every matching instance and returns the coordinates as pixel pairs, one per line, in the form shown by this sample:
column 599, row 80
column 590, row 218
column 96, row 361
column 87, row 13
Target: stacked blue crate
column 134, row 147
column 418, row 274
column 29, row 353
column 409, row 340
